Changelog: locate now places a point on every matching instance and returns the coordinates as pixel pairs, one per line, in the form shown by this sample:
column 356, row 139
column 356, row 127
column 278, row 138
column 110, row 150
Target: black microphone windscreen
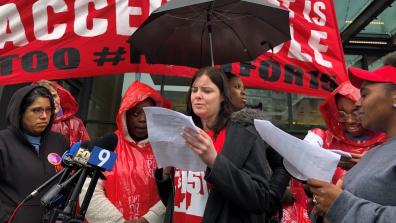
column 86, row 145
column 107, row 142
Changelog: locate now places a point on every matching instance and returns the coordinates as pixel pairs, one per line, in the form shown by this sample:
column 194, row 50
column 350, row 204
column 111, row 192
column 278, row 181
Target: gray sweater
column 369, row 189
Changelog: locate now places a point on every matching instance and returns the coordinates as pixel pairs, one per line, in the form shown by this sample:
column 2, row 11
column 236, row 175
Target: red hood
column 135, row 94
column 131, row 186
column 329, row 113
column 68, row 103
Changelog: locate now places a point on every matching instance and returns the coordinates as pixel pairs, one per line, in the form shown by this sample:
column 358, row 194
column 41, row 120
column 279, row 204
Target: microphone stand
column 71, row 205
column 37, row 191
column 63, row 172
column 68, row 214
column 88, row 195
column 48, row 198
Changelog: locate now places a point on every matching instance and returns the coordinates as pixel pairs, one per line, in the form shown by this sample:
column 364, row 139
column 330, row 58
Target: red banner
column 69, row 39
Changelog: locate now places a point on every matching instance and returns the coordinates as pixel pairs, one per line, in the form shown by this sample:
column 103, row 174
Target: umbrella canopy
column 198, row 33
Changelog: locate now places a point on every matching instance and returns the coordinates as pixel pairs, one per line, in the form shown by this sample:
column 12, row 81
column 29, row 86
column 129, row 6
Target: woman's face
column 206, row 100
column 237, row 93
column 136, row 120
column 375, row 106
column 348, row 117
column 37, row 116
column 56, row 97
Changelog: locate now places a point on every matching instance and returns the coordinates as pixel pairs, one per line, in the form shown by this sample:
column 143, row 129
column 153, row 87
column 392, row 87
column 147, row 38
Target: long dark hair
column 218, row 78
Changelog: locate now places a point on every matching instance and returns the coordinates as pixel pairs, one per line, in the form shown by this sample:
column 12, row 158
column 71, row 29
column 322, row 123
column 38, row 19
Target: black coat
column 240, row 180
column 21, row 169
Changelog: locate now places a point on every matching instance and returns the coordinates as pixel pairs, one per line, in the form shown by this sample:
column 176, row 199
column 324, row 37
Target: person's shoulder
column 246, row 116
column 6, row 134
column 4, row 131
column 54, row 134
column 246, row 137
column 74, row 118
column 241, row 130
column 75, row 121
column 56, row 137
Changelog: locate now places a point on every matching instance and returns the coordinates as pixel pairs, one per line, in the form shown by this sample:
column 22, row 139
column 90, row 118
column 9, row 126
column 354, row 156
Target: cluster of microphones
column 83, row 159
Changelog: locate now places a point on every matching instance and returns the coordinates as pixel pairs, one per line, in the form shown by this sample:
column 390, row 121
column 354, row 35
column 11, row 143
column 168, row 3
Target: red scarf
column 191, row 189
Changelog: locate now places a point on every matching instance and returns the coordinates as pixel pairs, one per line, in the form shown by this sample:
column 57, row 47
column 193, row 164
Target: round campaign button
column 54, row 159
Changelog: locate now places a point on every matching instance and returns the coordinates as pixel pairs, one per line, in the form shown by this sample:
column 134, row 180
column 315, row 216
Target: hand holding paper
column 169, row 147
column 350, row 160
column 301, row 159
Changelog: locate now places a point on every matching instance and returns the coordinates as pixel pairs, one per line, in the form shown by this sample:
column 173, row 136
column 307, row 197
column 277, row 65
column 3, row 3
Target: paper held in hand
column 302, row 160
column 165, row 127
column 345, row 156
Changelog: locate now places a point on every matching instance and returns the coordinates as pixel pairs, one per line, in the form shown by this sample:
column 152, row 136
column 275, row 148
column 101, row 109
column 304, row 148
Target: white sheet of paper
column 165, row 127
column 302, row 159
column 341, row 153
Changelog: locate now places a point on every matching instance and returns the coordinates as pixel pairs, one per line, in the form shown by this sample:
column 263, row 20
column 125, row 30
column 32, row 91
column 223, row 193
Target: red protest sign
column 69, row 39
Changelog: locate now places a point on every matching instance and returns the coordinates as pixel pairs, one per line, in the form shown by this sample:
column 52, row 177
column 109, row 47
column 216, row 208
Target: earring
column 394, row 105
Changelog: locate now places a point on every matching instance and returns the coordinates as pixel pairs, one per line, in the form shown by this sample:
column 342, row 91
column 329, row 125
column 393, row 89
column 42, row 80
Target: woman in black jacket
column 26, row 149
column 236, row 185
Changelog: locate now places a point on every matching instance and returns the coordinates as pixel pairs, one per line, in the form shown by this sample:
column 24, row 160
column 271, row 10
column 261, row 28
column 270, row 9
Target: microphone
column 102, row 154
column 89, row 158
column 100, row 159
column 48, row 197
column 108, row 142
column 99, row 155
column 63, row 172
column 45, row 184
column 52, row 193
column 67, row 157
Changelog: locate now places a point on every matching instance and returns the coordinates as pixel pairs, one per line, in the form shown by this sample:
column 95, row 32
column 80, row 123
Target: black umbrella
column 206, row 32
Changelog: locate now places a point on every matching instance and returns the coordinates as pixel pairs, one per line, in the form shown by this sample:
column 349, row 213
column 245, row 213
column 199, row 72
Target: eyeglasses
column 41, row 111
column 344, row 117
column 136, row 112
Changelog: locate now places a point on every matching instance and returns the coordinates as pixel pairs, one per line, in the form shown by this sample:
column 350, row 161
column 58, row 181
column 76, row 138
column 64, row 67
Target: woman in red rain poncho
column 344, row 132
column 66, row 107
column 129, row 193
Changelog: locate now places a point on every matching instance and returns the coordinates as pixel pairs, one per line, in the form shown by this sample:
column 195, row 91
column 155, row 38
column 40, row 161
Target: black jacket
column 21, row 169
column 240, row 180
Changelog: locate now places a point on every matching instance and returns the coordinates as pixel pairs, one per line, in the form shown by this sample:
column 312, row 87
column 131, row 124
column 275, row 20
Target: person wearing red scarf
column 237, row 185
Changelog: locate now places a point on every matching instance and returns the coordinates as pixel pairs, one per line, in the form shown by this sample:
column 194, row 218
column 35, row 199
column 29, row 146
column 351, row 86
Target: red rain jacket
column 71, row 127
column 335, row 138
column 131, row 186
